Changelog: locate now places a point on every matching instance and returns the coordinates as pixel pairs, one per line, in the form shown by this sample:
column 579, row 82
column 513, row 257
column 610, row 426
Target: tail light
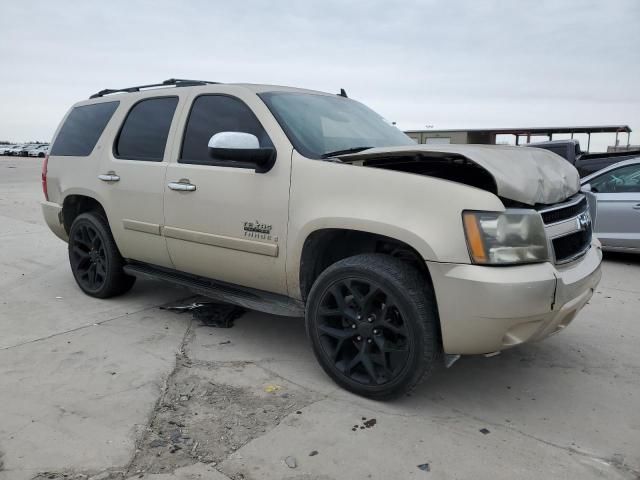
column 44, row 177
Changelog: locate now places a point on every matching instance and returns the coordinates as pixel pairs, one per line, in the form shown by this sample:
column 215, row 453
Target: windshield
column 320, row 124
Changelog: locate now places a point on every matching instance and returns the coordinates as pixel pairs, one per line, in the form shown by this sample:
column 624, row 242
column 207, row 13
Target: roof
column 535, row 130
column 182, row 83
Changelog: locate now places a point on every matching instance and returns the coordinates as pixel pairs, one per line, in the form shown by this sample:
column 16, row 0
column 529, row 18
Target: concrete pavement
column 121, row 389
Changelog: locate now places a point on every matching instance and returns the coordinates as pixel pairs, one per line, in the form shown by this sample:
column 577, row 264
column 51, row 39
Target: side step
column 224, row 292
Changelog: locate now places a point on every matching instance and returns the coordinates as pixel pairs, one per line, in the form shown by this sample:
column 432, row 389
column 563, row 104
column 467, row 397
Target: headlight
column 502, row 238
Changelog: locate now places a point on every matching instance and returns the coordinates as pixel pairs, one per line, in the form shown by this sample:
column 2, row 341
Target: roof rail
column 172, row 82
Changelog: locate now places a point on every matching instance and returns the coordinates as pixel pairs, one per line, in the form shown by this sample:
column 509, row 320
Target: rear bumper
column 487, row 309
column 52, row 213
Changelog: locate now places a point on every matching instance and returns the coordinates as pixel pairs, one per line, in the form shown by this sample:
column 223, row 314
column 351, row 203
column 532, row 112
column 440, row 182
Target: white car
column 38, row 151
column 15, row 150
column 4, row 149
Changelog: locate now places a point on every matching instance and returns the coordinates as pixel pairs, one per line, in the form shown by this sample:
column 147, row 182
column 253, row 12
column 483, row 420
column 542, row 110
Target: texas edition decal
column 257, row 230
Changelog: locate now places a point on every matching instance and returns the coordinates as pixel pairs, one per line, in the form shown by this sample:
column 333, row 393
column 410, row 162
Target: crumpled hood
column 527, row 175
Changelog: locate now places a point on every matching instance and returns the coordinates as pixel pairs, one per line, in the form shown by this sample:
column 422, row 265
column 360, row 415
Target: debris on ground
column 211, row 314
column 485, row 431
column 101, row 476
column 272, row 388
column 424, row 467
column 313, row 453
column 365, row 424
column 291, row 462
column 202, row 420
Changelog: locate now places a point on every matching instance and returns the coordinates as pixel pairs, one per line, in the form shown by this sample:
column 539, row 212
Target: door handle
column 636, row 206
column 109, row 177
column 182, row 186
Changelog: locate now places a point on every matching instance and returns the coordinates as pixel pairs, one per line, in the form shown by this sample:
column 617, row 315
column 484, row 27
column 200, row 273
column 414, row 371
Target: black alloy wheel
column 95, row 260
column 374, row 326
column 362, row 330
column 88, row 257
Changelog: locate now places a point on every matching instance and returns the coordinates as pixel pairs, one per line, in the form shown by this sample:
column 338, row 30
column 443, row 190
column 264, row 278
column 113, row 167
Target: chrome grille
column 568, row 227
column 564, row 213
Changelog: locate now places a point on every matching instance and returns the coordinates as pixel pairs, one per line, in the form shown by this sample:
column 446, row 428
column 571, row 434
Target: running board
column 224, row 292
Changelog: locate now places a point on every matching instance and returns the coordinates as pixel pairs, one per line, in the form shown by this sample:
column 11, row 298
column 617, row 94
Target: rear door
column 132, row 176
column 618, row 197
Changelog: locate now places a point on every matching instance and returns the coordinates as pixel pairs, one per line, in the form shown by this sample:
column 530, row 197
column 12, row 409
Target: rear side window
column 82, row 129
column 211, row 114
column 144, row 133
column 621, row 180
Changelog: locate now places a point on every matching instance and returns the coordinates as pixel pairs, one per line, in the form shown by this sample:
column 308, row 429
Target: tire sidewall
column 409, row 311
column 90, row 219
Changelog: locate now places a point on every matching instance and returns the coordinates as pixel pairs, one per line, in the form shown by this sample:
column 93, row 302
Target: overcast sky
column 450, row 64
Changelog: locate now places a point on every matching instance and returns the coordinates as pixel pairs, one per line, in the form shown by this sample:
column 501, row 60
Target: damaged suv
column 302, row 203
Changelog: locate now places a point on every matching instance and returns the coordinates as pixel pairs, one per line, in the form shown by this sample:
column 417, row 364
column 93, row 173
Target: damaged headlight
column 501, row 238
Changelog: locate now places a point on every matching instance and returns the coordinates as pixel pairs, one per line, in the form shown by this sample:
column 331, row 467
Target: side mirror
column 243, row 148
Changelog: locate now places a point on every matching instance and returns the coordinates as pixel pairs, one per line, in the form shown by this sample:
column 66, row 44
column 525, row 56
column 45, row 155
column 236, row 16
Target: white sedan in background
column 617, row 192
column 4, row 149
column 15, row 150
column 38, row 151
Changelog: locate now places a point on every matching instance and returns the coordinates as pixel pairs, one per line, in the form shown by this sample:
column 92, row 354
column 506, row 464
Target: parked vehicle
column 15, row 150
column 38, row 151
column 586, row 163
column 5, row 149
column 24, row 152
column 303, row 203
column 617, row 191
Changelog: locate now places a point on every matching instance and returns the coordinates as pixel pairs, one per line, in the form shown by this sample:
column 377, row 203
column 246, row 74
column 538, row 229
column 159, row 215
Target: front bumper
column 486, row 309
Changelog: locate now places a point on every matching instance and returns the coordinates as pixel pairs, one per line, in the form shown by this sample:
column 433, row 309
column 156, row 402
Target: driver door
column 223, row 220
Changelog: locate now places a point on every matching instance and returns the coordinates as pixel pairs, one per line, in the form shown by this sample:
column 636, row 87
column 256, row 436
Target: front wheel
column 373, row 324
column 95, row 260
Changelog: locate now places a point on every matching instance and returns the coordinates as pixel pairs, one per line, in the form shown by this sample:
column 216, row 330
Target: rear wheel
column 96, row 263
column 373, row 324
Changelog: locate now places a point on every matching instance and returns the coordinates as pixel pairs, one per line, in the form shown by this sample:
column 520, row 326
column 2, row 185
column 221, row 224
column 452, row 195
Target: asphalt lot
column 121, row 389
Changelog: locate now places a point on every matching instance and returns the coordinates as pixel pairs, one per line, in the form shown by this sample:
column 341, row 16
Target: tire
column 96, row 263
column 382, row 338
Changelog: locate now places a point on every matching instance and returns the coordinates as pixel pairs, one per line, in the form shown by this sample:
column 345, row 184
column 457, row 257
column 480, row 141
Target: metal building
column 521, row 135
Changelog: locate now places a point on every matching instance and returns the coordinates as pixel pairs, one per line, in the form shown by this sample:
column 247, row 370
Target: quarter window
column 82, row 129
column 211, row 114
column 145, row 130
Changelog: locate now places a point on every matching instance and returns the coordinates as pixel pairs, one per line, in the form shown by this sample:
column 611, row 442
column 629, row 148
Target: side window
column 144, row 133
column 82, row 129
column 211, row 114
column 620, row 180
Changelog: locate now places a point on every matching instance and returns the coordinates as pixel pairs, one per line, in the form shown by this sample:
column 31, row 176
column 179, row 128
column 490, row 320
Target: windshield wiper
column 344, row 152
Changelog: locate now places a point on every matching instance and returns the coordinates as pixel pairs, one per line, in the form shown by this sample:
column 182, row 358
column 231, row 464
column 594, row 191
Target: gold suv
column 304, row 203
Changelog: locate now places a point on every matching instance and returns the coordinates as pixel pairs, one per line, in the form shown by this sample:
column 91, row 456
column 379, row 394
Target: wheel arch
column 323, row 247
column 76, row 203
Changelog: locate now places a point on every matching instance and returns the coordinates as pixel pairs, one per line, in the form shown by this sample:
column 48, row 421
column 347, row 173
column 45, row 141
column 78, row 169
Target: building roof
column 535, row 130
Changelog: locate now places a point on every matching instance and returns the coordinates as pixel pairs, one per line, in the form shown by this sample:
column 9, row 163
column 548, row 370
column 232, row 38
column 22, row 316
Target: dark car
column 586, row 163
